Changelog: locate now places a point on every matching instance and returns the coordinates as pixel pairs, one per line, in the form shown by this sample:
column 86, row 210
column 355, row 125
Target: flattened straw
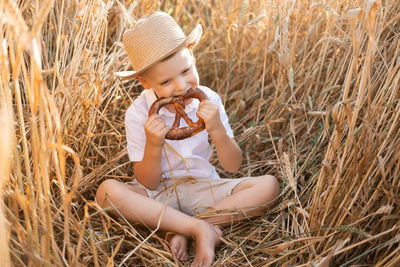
column 330, row 98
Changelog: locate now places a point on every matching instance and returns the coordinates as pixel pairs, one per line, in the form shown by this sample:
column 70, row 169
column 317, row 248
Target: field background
column 312, row 91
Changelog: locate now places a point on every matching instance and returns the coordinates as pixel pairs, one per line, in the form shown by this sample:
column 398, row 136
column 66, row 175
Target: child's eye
column 186, row 70
column 165, row 83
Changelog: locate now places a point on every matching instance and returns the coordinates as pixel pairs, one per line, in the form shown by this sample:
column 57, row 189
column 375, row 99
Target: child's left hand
column 209, row 112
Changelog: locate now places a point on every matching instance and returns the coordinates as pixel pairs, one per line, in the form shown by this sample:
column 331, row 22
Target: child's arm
column 229, row 153
column 148, row 171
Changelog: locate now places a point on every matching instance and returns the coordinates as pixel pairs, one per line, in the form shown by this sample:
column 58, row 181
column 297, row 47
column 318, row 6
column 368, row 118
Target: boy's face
column 173, row 76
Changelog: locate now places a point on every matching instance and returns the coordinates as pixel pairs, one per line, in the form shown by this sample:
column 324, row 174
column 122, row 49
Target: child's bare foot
column 178, row 244
column 208, row 238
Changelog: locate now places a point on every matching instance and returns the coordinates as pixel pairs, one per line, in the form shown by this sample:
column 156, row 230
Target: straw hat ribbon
column 152, row 39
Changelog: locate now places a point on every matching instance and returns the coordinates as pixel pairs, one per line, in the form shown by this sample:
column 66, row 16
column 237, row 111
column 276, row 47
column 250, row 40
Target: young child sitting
column 178, row 172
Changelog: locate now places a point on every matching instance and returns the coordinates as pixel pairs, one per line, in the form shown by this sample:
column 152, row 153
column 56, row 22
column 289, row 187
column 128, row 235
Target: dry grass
column 312, row 90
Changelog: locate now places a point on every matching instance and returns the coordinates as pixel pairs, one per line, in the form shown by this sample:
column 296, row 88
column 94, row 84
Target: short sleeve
column 135, row 118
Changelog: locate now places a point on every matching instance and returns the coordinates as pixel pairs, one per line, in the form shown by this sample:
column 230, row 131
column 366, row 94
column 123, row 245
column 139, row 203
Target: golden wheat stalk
column 312, row 91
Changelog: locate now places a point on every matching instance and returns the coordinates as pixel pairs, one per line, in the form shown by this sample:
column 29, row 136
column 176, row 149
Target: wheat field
column 312, row 91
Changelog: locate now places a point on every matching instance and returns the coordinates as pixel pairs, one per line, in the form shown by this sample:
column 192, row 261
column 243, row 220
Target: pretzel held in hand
column 176, row 133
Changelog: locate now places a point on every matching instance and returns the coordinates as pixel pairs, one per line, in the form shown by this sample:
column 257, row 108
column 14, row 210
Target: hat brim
column 193, row 37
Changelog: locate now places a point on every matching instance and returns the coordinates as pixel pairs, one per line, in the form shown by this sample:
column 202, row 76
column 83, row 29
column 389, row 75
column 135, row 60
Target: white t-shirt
column 194, row 150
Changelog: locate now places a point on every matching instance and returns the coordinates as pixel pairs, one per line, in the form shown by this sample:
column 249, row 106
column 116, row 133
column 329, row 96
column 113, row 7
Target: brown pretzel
column 176, row 133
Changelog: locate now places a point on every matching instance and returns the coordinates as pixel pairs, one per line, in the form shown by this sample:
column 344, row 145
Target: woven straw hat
column 152, row 39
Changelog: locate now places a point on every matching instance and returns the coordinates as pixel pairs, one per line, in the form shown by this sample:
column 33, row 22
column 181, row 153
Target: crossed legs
column 134, row 204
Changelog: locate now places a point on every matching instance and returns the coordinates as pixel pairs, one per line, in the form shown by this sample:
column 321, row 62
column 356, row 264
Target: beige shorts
column 192, row 195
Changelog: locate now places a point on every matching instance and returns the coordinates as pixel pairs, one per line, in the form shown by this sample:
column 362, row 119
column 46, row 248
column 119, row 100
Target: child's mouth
column 187, row 100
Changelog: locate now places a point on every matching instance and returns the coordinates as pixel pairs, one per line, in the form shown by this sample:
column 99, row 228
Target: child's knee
column 268, row 183
column 273, row 183
column 104, row 188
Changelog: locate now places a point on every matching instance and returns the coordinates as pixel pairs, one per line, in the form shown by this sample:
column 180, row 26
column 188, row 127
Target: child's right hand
column 156, row 129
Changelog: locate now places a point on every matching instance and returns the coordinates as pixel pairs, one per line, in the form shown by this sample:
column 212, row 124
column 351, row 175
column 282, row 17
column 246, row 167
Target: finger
column 202, row 105
column 160, row 128
column 201, row 114
column 204, row 114
column 206, row 103
column 164, row 130
column 157, row 129
column 153, row 117
column 157, row 121
column 152, row 120
column 209, row 109
column 179, row 256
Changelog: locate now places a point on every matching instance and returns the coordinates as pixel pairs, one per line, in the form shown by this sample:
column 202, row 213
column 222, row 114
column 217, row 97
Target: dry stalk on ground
column 312, row 90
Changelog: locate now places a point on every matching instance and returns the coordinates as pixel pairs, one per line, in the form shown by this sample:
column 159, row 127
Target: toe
column 175, row 252
column 183, row 256
column 179, row 255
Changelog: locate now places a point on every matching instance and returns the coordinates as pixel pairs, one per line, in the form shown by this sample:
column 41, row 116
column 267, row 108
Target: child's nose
column 180, row 85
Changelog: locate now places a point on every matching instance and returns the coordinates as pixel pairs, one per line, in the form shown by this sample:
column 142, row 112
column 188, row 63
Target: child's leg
column 135, row 206
column 249, row 193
